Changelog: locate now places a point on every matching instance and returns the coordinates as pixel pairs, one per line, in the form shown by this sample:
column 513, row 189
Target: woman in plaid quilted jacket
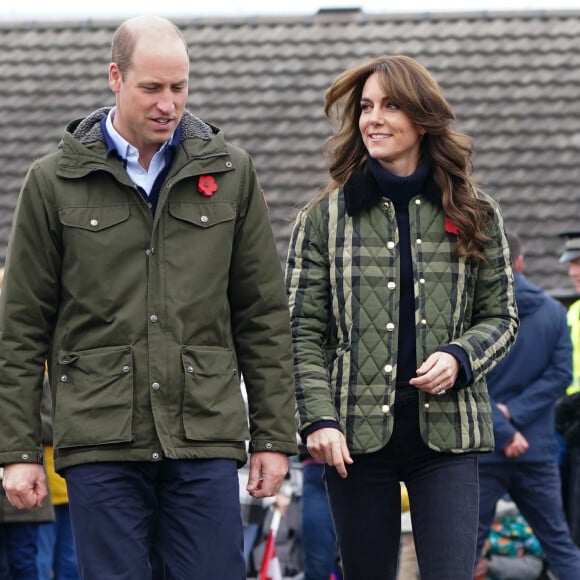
column 401, row 297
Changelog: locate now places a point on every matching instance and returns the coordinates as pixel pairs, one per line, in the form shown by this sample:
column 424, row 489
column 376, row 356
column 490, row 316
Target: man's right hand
column 328, row 445
column 25, row 484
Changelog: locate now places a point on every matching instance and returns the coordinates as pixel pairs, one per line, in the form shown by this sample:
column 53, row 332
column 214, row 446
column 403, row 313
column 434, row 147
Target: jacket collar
column 90, row 129
column 362, row 191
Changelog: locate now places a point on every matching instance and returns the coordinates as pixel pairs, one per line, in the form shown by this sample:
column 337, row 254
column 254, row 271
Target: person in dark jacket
column 524, row 388
column 143, row 269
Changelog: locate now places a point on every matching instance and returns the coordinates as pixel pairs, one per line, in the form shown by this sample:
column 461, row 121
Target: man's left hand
column 267, row 472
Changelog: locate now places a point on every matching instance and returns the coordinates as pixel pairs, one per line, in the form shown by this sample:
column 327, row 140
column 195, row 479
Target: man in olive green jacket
column 143, row 268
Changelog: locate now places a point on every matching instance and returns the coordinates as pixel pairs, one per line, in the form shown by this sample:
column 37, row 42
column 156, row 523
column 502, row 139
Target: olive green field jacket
column 148, row 323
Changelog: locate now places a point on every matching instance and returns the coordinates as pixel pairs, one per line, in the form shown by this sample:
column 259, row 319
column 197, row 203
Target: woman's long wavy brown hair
column 415, row 91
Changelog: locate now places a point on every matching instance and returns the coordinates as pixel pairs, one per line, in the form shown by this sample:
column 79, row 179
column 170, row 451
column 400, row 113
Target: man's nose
column 165, row 102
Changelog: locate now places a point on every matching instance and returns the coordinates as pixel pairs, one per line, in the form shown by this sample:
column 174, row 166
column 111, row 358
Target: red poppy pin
column 207, row 185
column 450, row 227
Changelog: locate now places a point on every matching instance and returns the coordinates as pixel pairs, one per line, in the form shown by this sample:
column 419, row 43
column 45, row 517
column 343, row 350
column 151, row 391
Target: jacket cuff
column 35, row 456
column 316, row 426
column 289, row 448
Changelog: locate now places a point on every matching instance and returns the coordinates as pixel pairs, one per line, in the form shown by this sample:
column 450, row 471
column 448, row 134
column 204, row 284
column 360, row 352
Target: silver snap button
column 63, row 379
column 94, row 223
column 388, row 368
column 268, row 445
column 385, row 409
column 390, row 327
column 155, row 455
column 391, row 285
column 390, row 245
column 190, row 370
column 153, row 318
column 204, row 219
column 155, row 386
column 25, row 456
column 126, row 368
column 229, row 164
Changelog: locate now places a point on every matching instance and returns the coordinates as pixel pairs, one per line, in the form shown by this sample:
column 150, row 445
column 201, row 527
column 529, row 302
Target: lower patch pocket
column 213, row 406
column 94, row 397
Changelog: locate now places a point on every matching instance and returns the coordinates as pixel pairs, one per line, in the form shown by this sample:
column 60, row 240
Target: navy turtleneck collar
column 398, row 186
column 372, row 182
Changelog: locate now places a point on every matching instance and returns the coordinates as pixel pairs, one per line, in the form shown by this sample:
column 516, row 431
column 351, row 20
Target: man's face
column 152, row 94
column 574, row 272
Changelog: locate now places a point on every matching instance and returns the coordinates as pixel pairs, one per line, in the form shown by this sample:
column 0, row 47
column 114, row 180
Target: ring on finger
column 440, row 390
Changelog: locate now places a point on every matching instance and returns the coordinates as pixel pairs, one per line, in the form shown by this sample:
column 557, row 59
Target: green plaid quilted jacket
column 342, row 283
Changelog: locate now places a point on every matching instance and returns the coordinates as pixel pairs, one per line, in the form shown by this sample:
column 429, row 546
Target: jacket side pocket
column 213, row 406
column 94, row 397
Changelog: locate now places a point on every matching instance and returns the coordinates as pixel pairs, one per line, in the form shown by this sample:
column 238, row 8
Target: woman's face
column 388, row 133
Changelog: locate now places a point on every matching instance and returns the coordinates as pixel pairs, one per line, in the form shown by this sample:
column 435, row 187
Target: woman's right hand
column 328, row 445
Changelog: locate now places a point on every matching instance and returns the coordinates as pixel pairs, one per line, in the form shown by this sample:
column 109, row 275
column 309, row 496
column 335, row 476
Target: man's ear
column 114, row 77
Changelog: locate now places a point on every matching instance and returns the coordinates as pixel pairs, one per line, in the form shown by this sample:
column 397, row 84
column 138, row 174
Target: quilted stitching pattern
column 364, row 281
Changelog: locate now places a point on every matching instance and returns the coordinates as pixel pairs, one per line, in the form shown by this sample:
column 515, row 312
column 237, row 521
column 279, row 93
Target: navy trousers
column 536, row 489
column 443, row 498
column 185, row 513
column 20, row 542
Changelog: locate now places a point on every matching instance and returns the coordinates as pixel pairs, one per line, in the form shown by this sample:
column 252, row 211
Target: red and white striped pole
column 270, row 568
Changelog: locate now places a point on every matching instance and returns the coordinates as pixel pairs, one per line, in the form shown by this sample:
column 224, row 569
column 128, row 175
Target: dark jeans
column 536, row 490
column 443, row 497
column 186, row 512
column 318, row 537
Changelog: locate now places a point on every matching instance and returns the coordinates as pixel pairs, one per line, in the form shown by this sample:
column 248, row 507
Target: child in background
column 512, row 551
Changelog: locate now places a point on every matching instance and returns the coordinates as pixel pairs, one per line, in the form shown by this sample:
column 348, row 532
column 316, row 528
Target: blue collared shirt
column 142, row 177
column 148, row 183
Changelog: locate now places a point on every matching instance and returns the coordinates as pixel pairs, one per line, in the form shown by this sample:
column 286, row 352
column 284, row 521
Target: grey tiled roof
column 512, row 78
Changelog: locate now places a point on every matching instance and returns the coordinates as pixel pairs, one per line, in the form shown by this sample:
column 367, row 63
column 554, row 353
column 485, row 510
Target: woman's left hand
column 437, row 374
